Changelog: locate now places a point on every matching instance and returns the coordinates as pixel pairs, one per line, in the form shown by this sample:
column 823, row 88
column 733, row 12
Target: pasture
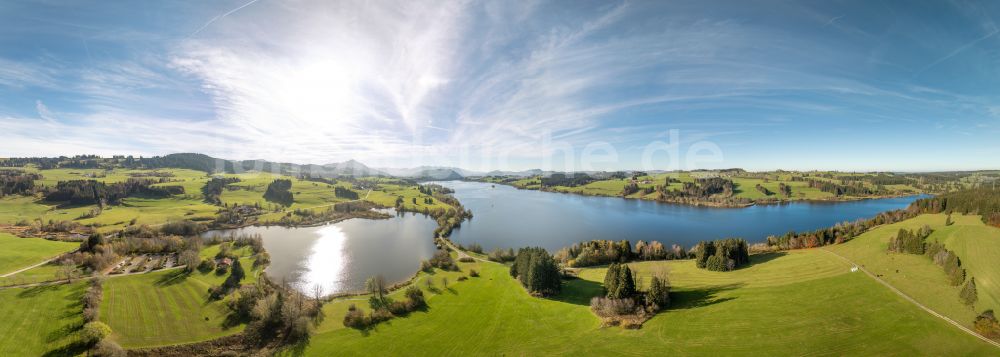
column 42, row 320
column 821, row 308
column 170, row 306
column 17, row 253
column 918, row 277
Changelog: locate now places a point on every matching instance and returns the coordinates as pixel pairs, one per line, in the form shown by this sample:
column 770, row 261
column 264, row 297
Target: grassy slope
column 745, row 186
column 978, row 246
column 143, row 210
column 917, row 276
column 153, row 211
column 819, row 306
column 43, row 273
column 40, row 320
column 17, row 253
column 168, row 307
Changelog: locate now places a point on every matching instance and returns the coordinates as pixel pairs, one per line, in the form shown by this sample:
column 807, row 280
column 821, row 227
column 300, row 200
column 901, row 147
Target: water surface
column 339, row 257
column 508, row 217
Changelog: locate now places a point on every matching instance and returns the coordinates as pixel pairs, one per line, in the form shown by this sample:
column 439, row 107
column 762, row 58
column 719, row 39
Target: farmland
column 20, row 253
column 831, row 306
column 41, row 320
column 169, row 307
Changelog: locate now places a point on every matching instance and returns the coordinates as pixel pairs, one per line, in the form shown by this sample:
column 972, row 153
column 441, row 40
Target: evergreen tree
column 659, row 292
column 611, row 279
column 625, row 288
column 968, row 294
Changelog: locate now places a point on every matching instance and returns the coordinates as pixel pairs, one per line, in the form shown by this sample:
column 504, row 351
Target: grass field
column 168, row 307
column 801, row 303
column 745, row 186
column 250, row 190
column 43, row 273
column 976, row 245
column 41, row 320
column 17, row 253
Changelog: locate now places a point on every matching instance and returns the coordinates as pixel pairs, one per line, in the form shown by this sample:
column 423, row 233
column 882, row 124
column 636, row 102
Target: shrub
column 463, row 278
column 93, row 332
column 466, row 259
column 501, row 256
column 107, row 348
column 380, row 315
column 426, row 266
column 91, row 314
column 355, row 318
column 605, row 307
column 986, row 324
column 442, row 260
column 473, row 273
column 415, row 297
column 206, row 265
column 398, row 308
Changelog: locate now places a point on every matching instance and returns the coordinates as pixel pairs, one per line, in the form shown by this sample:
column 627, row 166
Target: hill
column 805, row 302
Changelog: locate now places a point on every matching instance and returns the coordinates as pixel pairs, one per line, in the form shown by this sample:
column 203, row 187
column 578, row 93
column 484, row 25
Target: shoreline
column 717, row 204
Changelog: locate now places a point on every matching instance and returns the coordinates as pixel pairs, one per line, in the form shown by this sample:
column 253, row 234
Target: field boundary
column 915, row 302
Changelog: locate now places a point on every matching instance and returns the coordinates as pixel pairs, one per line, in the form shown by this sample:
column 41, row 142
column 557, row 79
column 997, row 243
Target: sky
column 512, row 85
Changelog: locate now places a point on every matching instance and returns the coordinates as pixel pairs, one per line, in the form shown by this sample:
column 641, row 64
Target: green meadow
column 308, row 196
column 797, row 303
column 41, row 320
column 169, row 307
column 976, row 244
column 17, row 253
column 745, row 186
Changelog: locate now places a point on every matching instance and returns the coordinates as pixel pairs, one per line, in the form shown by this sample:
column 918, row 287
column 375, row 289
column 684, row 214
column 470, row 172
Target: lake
column 339, row 257
column 505, row 216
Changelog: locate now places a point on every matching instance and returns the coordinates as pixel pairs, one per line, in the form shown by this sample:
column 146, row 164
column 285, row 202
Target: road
column 915, row 302
column 463, row 254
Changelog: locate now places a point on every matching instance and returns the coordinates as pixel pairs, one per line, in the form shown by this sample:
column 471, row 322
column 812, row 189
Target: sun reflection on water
column 326, row 263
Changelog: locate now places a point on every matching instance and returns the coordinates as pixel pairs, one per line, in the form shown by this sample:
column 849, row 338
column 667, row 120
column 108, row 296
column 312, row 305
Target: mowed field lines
column 164, row 308
column 800, row 303
column 42, row 320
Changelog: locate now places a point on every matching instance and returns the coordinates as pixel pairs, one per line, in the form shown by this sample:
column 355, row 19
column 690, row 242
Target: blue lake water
column 339, row 257
column 508, row 217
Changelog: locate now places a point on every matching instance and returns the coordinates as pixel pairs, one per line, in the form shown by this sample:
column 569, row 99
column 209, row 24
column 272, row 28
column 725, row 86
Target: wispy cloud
column 417, row 82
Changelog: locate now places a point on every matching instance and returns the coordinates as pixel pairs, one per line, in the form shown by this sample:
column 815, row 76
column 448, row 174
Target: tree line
column 838, row 233
column 345, row 193
column 600, row 252
column 537, row 271
column 85, row 192
column 278, row 191
column 722, row 255
column 849, row 189
column 984, row 201
column 212, row 191
column 16, row 182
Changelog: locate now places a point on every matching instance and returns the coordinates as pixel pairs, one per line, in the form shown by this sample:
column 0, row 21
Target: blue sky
column 851, row 85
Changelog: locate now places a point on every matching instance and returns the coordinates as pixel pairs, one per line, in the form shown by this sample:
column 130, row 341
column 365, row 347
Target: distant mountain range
column 350, row 168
